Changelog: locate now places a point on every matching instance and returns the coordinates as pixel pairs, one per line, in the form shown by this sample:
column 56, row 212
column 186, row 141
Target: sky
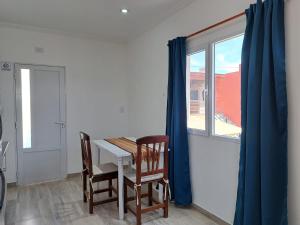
column 227, row 56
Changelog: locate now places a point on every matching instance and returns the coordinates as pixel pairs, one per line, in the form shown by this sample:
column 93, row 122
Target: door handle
column 62, row 124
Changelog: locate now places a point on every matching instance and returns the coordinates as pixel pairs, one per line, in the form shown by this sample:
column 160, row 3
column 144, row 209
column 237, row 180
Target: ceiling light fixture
column 124, row 11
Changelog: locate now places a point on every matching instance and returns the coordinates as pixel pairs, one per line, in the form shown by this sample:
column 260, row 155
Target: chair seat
column 131, row 175
column 105, row 168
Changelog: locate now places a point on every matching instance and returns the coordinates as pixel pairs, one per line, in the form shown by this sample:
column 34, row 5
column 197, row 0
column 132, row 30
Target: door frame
column 18, row 133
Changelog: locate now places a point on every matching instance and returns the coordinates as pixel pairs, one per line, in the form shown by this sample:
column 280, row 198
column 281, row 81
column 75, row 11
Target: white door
column 40, row 123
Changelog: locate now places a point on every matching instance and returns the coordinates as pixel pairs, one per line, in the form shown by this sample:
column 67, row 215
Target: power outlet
column 5, row 66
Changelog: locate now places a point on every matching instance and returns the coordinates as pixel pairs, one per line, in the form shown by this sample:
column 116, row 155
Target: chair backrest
column 149, row 150
column 87, row 163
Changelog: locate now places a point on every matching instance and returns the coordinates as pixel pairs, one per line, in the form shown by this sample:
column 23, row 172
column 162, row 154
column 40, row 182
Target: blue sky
column 227, row 56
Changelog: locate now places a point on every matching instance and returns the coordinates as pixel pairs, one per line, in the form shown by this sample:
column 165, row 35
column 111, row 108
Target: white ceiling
column 92, row 18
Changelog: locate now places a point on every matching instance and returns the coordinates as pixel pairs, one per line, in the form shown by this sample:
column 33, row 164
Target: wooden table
column 123, row 157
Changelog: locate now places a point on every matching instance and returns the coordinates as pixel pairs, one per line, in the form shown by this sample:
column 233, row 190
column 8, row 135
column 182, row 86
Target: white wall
column 96, row 74
column 95, row 90
column 214, row 163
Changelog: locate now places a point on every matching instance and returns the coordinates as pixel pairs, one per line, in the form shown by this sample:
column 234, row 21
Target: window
column 214, row 87
column 196, row 100
column 26, row 107
column 227, row 87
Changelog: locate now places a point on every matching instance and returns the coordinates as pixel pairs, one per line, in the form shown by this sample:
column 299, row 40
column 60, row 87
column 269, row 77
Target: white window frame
column 206, row 42
column 193, row 130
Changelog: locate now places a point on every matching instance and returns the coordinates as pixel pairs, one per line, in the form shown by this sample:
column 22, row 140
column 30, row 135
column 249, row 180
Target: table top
column 115, row 150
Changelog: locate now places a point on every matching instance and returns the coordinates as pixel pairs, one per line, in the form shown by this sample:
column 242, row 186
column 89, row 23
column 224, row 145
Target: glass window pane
column 227, row 87
column 26, row 107
column 196, row 83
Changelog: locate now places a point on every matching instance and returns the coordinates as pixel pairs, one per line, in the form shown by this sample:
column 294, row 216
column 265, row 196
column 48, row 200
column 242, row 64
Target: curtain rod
column 216, row 24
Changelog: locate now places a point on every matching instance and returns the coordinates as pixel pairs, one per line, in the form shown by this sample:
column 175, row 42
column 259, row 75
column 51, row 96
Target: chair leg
column 166, row 202
column 84, row 184
column 110, row 188
column 150, row 203
column 138, row 207
column 91, row 200
column 125, row 197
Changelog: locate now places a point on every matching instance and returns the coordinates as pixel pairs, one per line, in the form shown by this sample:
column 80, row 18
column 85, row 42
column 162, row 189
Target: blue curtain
column 176, row 128
column 262, row 188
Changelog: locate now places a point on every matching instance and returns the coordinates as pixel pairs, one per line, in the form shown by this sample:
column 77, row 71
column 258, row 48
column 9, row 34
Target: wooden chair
column 103, row 172
column 148, row 150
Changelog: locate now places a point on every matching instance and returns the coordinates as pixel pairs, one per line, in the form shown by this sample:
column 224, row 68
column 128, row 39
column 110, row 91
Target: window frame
column 206, row 42
column 212, row 87
column 205, row 132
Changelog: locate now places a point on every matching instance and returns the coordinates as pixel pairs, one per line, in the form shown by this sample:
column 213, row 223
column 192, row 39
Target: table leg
column 99, row 150
column 99, row 161
column 160, row 187
column 120, row 188
column 160, row 192
column 130, row 165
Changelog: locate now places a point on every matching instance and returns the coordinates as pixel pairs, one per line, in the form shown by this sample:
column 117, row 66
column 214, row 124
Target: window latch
column 204, row 94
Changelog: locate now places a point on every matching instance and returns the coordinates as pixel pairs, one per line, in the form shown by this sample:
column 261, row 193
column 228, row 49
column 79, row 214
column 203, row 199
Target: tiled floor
column 60, row 202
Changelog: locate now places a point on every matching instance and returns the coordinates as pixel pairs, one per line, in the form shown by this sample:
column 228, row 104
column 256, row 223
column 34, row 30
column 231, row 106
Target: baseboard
column 11, row 185
column 213, row 217
column 72, row 175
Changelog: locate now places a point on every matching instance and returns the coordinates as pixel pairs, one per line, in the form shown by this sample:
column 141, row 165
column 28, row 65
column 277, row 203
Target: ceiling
column 99, row 19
